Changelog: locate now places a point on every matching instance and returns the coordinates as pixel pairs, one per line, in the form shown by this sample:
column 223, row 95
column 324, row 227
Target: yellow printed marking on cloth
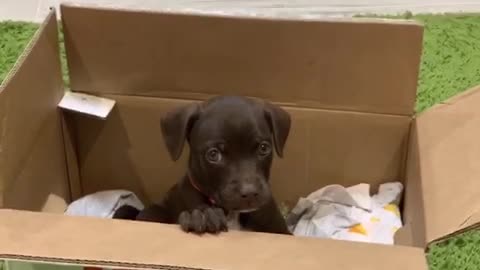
column 392, row 208
column 374, row 219
column 358, row 229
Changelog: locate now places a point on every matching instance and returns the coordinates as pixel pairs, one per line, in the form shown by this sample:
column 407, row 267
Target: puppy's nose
column 249, row 192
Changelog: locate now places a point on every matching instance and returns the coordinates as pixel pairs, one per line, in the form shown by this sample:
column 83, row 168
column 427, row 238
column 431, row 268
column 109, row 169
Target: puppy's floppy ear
column 176, row 126
column 279, row 121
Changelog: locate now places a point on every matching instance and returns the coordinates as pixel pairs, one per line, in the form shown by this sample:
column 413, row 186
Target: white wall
column 35, row 10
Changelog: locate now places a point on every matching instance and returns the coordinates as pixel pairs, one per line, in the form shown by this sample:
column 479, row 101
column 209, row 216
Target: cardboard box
column 349, row 85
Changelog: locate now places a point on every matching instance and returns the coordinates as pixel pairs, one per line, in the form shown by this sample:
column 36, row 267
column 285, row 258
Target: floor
column 35, row 10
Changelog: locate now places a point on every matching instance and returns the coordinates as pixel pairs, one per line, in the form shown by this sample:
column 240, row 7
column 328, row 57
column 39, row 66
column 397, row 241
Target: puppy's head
column 232, row 142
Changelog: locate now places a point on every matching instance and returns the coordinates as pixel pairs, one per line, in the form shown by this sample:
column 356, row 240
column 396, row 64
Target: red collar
column 195, row 186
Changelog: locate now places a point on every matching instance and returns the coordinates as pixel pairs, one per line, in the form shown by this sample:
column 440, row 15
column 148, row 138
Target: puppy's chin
column 247, row 210
column 239, row 207
column 242, row 211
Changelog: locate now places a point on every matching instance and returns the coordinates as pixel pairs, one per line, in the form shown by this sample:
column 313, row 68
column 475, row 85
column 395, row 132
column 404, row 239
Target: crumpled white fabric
column 336, row 212
column 103, row 204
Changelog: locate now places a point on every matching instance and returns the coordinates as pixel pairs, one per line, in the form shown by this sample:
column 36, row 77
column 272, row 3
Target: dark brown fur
column 232, row 141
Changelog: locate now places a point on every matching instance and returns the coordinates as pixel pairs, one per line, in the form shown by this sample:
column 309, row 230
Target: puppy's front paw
column 211, row 220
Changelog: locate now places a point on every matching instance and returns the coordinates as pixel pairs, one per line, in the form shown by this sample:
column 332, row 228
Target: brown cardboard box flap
column 103, row 242
column 447, row 138
column 362, row 65
column 30, row 129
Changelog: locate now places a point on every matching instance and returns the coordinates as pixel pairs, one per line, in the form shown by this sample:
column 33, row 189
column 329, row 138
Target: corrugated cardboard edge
column 10, row 76
column 436, row 232
column 71, row 160
column 37, row 85
column 413, row 203
column 105, row 242
column 213, row 13
column 456, row 233
column 26, row 51
column 155, row 70
column 406, row 236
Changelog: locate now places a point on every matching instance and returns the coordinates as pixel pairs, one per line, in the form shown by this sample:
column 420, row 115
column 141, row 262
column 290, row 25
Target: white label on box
column 87, row 104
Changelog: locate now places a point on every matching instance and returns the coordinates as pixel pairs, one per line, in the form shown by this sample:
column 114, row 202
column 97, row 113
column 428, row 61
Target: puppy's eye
column 264, row 149
column 213, row 155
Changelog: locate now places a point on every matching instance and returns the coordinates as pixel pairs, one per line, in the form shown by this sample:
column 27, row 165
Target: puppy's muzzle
column 245, row 196
column 248, row 192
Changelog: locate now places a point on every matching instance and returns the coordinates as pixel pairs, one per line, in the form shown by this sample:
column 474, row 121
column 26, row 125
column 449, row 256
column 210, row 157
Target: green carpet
column 450, row 64
column 451, row 58
column 14, row 36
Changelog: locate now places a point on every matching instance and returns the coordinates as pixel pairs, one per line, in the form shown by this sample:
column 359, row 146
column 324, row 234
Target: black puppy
column 227, row 183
